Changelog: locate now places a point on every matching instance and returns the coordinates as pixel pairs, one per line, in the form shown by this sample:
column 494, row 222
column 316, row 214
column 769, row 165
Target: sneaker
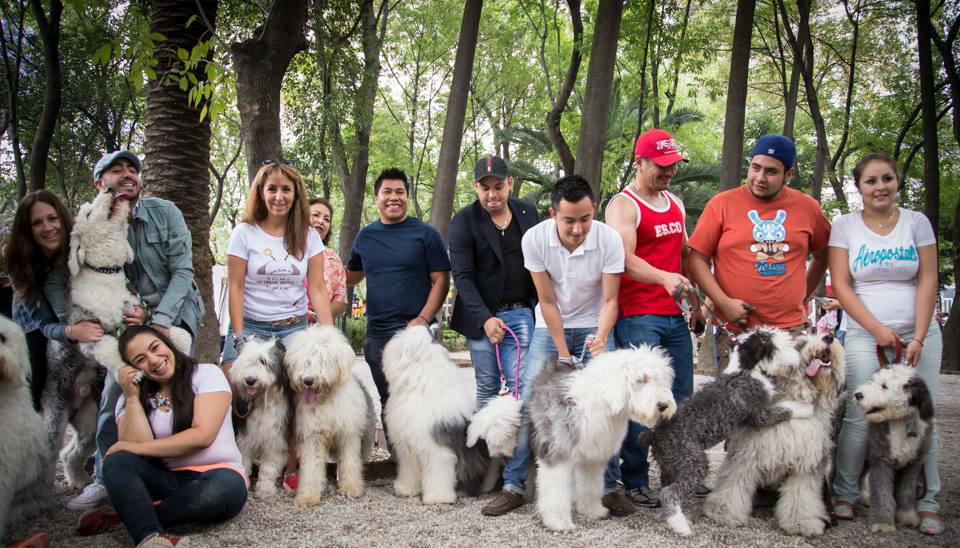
column 644, row 496
column 291, row 481
column 618, row 504
column 159, row 540
column 40, row 540
column 92, row 496
column 506, row 501
column 702, row 491
column 94, row 522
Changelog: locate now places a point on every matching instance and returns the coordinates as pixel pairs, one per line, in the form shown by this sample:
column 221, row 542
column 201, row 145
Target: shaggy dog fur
column 427, row 416
column 741, row 395
column 794, row 456
column 98, row 291
column 334, row 412
column 26, row 471
column 262, row 408
column 900, row 410
column 498, row 424
column 580, row 417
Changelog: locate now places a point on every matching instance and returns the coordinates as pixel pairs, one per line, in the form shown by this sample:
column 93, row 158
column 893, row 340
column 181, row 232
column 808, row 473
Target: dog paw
column 718, row 512
column 439, row 498
column 265, row 489
column 678, row 522
column 558, row 524
column 910, row 519
column 404, row 490
column 306, row 501
column 594, row 512
column 882, row 527
column 350, row 490
column 806, row 527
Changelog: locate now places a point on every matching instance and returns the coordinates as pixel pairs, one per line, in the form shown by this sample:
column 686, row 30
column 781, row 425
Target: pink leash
column 516, row 383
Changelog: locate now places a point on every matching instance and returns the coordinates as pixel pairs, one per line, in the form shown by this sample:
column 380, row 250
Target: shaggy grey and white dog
column 335, row 414
column 580, row 417
column 792, row 456
column 427, row 416
column 898, row 405
column 26, row 470
column 262, row 410
column 743, row 395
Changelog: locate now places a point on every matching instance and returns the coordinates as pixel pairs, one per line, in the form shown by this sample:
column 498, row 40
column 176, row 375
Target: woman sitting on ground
column 176, row 445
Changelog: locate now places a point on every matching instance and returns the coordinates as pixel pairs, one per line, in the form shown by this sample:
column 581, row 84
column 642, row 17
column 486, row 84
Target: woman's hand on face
column 885, row 336
column 86, row 331
column 129, row 379
column 914, row 350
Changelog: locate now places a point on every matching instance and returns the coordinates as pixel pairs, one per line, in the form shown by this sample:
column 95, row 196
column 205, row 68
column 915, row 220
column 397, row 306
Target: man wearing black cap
column 758, row 237
column 161, row 273
column 495, row 292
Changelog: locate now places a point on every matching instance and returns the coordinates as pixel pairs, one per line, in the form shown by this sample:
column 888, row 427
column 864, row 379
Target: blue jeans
column 542, row 352
column 673, row 335
column 484, row 357
column 263, row 330
column 185, row 496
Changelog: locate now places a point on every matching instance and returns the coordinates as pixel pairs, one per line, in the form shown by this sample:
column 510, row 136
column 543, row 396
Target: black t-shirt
column 517, row 283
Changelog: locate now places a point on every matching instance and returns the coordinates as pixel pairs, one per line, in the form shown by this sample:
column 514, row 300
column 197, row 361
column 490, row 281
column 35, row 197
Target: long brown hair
column 325, row 203
column 181, row 385
column 298, row 218
column 23, row 260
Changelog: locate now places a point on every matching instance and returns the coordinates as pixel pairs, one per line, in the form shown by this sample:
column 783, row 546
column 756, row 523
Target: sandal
column 930, row 523
column 843, row 510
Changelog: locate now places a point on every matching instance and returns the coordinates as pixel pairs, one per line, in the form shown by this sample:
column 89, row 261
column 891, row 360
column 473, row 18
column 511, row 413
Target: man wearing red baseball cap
column 650, row 221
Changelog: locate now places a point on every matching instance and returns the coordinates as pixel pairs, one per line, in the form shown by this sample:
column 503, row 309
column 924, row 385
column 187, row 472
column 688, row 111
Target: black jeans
column 37, row 349
column 185, row 496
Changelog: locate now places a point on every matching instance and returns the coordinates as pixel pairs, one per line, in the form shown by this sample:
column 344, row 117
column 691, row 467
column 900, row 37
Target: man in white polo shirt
column 575, row 263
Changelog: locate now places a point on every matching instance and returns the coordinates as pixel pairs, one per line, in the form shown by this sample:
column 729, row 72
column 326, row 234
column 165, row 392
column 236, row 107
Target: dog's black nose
column 828, row 339
column 662, row 407
column 250, row 381
column 308, row 381
column 858, row 395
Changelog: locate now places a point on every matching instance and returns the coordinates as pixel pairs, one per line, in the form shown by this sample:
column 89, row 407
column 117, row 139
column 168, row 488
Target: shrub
column 356, row 331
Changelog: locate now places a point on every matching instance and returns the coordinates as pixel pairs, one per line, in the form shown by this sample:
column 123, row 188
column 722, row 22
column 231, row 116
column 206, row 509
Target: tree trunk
column 261, row 61
column 563, row 94
column 52, row 90
column 177, row 147
column 945, row 46
column 793, row 91
column 928, row 116
column 596, row 93
column 731, row 162
column 672, row 94
column 449, row 160
column 950, row 361
column 13, row 98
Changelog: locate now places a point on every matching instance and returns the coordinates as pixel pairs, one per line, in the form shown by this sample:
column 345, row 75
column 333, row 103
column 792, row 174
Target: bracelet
column 426, row 321
column 915, row 340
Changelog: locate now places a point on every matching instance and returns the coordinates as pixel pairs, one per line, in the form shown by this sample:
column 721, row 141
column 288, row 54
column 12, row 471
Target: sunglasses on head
column 276, row 161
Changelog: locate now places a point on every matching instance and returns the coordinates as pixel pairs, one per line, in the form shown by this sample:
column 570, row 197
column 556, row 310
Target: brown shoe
column 506, row 501
column 618, row 504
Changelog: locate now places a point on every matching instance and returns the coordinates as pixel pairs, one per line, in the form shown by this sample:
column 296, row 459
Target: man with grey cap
column 495, row 293
column 759, row 237
column 161, row 273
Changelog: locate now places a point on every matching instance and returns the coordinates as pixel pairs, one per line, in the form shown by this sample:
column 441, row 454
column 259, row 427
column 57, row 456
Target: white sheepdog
column 262, row 409
column 26, row 473
column 427, row 415
column 335, row 414
column 580, row 417
column 794, row 456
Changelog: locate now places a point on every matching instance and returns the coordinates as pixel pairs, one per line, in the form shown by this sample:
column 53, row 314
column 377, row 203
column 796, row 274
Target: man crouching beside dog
column 162, row 275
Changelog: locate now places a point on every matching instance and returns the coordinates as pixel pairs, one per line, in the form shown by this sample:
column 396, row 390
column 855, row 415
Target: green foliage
column 453, row 341
column 356, row 331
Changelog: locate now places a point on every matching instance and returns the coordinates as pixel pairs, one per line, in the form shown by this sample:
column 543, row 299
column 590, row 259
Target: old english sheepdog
column 498, row 424
column 743, row 395
column 793, row 456
column 262, row 410
column 580, row 417
column 427, row 415
column 335, row 414
column 898, row 405
column 26, row 470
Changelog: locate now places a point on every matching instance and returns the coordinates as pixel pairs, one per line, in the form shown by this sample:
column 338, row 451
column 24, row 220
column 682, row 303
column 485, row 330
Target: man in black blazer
column 495, row 292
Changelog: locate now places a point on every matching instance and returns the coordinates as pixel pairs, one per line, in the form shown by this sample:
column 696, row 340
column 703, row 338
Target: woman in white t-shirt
column 176, row 444
column 270, row 256
column 883, row 265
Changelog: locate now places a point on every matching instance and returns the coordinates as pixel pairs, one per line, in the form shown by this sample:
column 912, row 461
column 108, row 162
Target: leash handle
column 882, row 356
column 516, row 383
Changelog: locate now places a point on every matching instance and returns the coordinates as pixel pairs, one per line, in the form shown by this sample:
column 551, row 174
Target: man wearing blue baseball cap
column 161, row 273
column 758, row 237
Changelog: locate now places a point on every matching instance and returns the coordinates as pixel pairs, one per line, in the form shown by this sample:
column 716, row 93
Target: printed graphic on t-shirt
column 883, row 259
column 665, row 229
column 277, row 272
column 769, row 235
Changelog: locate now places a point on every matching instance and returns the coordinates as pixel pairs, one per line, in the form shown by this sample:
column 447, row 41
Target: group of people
column 528, row 292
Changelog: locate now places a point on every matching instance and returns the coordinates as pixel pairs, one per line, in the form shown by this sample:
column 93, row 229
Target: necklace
column 886, row 222
column 158, row 400
column 502, row 229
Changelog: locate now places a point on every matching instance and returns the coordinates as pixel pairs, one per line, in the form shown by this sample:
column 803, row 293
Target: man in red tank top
column 651, row 222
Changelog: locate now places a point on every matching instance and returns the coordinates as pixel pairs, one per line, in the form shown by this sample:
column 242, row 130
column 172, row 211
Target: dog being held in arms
column 334, row 412
column 743, row 395
column 427, row 416
column 580, row 417
column 793, row 456
column 262, row 409
column 26, row 467
column 898, row 405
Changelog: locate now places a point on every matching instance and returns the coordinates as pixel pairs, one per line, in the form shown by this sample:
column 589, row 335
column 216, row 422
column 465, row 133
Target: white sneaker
column 92, row 496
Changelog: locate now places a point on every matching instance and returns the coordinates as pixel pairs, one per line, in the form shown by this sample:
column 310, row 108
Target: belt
column 292, row 320
column 513, row 306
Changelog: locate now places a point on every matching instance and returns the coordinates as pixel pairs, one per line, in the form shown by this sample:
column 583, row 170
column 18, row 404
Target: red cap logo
column 659, row 147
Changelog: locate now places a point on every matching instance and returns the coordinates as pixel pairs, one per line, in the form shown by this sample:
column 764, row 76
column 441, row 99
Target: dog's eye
column 3, row 339
column 884, row 386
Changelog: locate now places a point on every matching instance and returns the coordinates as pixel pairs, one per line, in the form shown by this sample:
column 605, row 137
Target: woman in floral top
column 334, row 275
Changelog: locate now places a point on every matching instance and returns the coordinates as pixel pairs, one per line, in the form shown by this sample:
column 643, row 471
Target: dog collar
column 105, row 269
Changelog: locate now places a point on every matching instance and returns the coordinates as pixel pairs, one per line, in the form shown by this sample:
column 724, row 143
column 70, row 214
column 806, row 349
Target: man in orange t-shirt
column 758, row 237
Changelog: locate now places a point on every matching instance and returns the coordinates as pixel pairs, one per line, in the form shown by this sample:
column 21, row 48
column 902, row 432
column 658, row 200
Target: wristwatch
column 238, row 339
